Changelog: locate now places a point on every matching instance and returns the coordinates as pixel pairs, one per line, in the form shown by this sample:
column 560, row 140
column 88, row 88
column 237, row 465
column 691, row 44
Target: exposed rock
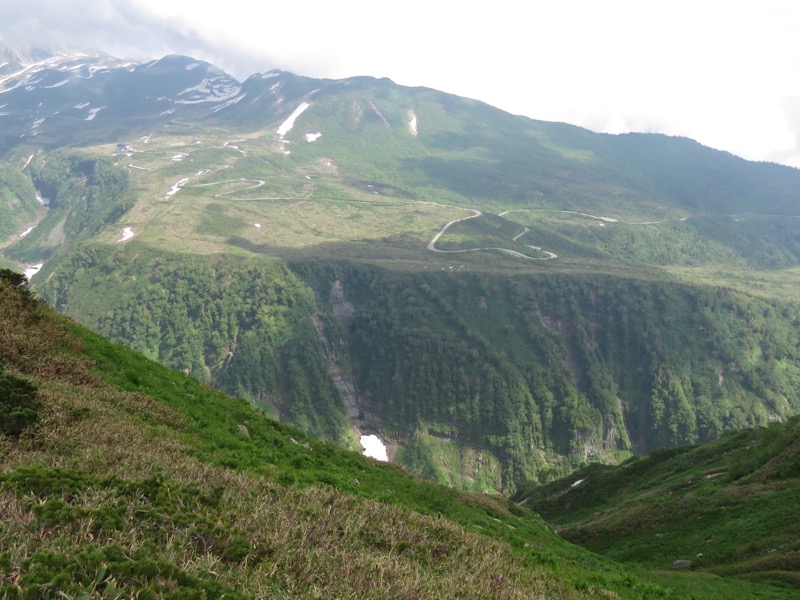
column 342, row 309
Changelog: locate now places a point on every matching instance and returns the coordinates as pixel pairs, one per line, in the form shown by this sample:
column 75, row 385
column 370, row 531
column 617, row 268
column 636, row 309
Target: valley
column 507, row 307
column 523, row 294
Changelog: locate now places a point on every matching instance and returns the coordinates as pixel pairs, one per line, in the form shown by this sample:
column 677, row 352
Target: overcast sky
column 726, row 73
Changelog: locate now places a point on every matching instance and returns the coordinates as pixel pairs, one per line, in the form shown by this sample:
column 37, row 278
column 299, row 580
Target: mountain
column 497, row 299
column 69, row 99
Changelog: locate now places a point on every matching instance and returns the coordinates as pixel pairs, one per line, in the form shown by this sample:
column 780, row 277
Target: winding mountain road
column 259, row 183
column 476, row 213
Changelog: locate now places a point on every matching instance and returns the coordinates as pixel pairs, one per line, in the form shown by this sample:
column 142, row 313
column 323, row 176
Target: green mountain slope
column 19, row 209
column 127, row 479
column 479, row 380
column 121, row 478
column 499, row 299
column 729, row 507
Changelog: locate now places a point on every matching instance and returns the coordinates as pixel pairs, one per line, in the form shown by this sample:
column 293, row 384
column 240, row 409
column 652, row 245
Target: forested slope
column 482, row 381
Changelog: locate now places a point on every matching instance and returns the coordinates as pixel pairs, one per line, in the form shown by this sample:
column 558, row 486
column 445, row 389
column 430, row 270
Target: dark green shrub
column 19, row 404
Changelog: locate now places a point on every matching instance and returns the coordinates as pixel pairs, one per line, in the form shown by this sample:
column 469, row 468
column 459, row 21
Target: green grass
column 139, row 480
column 730, row 507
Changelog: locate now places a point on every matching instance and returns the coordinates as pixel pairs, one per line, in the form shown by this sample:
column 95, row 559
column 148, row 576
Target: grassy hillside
column 127, row 478
column 730, row 507
column 122, row 478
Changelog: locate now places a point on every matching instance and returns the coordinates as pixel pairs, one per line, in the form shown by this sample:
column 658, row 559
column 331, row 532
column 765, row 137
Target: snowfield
column 287, row 125
column 374, row 448
column 182, row 182
column 93, row 113
column 127, row 233
column 213, row 89
column 412, row 124
column 32, row 270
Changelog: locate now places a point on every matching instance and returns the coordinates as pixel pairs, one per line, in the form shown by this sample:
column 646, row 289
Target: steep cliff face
column 541, row 373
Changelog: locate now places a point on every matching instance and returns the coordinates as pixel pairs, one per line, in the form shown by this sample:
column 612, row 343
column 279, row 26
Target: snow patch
column 32, row 270
column 27, row 162
column 182, row 182
column 127, row 234
column 192, row 66
column 56, row 85
column 577, row 483
column 412, row 123
column 26, row 232
column 287, row 125
column 374, row 448
column 228, row 103
column 81, row 105
column 93, row 113
column 180, row 156
column 42, row 200
column 209, row 90
column 258, row 225
column 313, row 137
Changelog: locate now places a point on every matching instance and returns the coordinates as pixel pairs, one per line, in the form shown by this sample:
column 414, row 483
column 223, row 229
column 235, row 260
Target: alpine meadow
column 525, row 316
